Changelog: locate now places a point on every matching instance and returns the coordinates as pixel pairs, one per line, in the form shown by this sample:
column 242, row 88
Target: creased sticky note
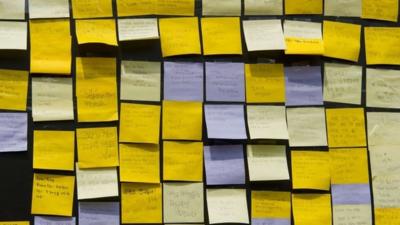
column 100, row 31
column 13, row 132
column 13, row 89
column 91, row 8
column 312, row 209
column 345, row 8
column 381, row 45
column 270, row 207
column 155, row 7
column 267, row 122
column 382, row 129
column 303, row 7
column 12, row 10
column 263, row 35
column 137, row 29
column 48, row 9
column 99, row 212
column 349, row 166
column 256, row 7
column 303, row 38
column 227, row 206
column 383, row 88
column 13, row 35
column 380, row 10
column 222, row 7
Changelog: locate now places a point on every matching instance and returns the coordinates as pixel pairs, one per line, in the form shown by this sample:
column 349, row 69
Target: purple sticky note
column 53, row 220
column 224, row 164
column 13, row 132
column 225, row 121
column 183, row 81
column 351, row 194
column 303, row 85
column 225, row 82
column 270, row 221
column 99, row 213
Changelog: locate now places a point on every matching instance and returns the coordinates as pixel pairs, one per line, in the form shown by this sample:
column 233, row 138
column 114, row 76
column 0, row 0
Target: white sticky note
column 13, row 35
column 384, row 160
column 137, row 29
column 48, row 9
column 350, row 8
column 302, row 29
column 263, row 7
column 383, row 128
column 263, row 35
column 267, row 122
column 227, row 206
column 222, row 7
column 352, row 214
column 12, row 9
column 386, row 189
column 383, row 88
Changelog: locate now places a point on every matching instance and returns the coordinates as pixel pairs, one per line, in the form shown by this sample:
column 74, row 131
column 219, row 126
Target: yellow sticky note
column 180, row 36
column 349, row 166
column 270, row 204
column 265, row 83
column 140, row 123
column 176, row 7
column 96, row 89
column 303, row 38
column 387, row 216
column 91, row 8
column 14, row 223
column 97, row 147
column 52, row 194
column 183, row 161
column 101, row 31
column 342, row 40
column 380, row 9
column 303, row 6
column 221, row 36
column 154, row 7
column 139, row 163
column 311, row 170
column 141, row 203
column 50, row 46
column 13, row 89
column 182, row 120
column 382, row 45
column 312, row 209
column 346, row 127
column 54, row 150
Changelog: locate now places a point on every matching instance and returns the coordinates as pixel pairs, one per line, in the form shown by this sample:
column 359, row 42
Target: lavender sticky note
column 183, row 81
column 100, row 213
column 270, row 221
column 303, row 85
column 224, row 164
column 13, row 132
column 225, row 121
column 225, row 82
column 52, row 220
column 351, row 194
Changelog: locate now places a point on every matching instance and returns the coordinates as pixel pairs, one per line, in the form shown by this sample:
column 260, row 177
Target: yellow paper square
column 182, row 120
column 382, row 45
column 180, row 36
column 91, row 8
column 183, row 161
column 380, row 9
column 14, row 223
column 13, row 89
column 96, row 89
column 139, row 163
column 342, row 40
column 346, row 127
column 311, row 170
column 141, row 203
column 349, row 166
column 50, row 46
column 154, row 7
column 387, row 216
column 97, row 147
column 265, row 83
column 176, row 7
column 270, row 204
column 312, row 209
column 52, row 194
column 54, row 150
column 221, row 36
column 101, row 31
column 140, row 123
column 303, row 6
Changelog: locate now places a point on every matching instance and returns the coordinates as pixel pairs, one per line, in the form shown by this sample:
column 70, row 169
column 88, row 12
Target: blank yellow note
column 221, row 36
column 349, row 166
column 380, row 9
column 270, row 204
column 183, row 161
column 97, row 147
column 303, row 38
column 342, row 40
column 176, row 7
column 100, row 31
column 50, row 46
column 14, row 223
column 140, row 123
column 91, row 8
column 382, row 45
column 346, row 127
column 155, row 7
column 180, row 36
column 13, row 89
column 265, row 83
column 139, row 163
column 311, row 170
column 141, row 203
column 303, row 6
column 96, row 89
column 387, row 216
column 182, row 120
column 54, row 150
column 52, row 194
column 312, row 209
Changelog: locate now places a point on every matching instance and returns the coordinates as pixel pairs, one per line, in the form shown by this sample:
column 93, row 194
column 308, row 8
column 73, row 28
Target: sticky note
column 183, row 202
column 265, row 83
column 381, row 45
column 50, row 46
column 48, row 9
column 311, row 170
column 382, row 88
column 342, row 40
column 91, row 8
column 137, row 29
column 345, row 214
column 141, row 203
column 351, row 194
column 387, row 216
column 222, row 8
column 14, row 223
column 267, row 162
column 176, row 7
column 227, row 206
column 13, row 35
column 380, row 10
column 140, row 123
column 52, row 194
column 382, row 127
column 303, row 7
column 99, row 212
column 221, row 36
column 349, row 166
column 97, row 147
column 386, row 189
column 345, row 8
column 183, row 161
column 270, row 207
column 180, row 36
column 182, row 120
column 312, row 209
column 12, row 10
column 13, row 132
column 381, row 159
column 96, row 89
column 303, row 38
column 53, row 150
column 263, row 35
column 267, row 122
column 54, row 220
column 139, row 163
column 98, row 31
column 306, row 126
column 256, row 7
column 140, row 80
column 224, row 164
column 13, row 89
column 155, row 7
column 225, row 121
column 346, row 127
